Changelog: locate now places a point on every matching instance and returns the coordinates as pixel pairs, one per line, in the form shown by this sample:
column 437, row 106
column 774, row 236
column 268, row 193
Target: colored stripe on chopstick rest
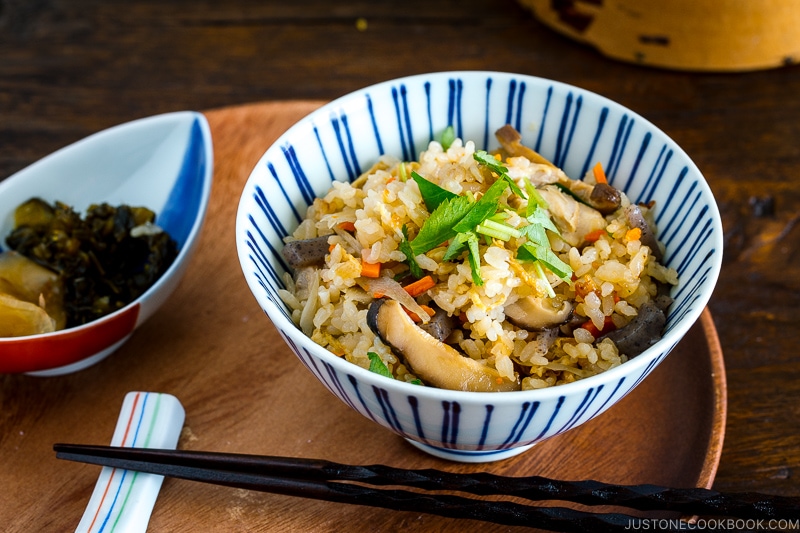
column 123, row 500
column 117, row 476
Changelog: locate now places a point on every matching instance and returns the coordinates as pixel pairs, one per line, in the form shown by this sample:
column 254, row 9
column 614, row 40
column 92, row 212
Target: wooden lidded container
column 700, row 35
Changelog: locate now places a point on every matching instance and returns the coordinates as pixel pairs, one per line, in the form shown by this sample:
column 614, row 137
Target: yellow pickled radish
column 18, row 318
column 32, row 297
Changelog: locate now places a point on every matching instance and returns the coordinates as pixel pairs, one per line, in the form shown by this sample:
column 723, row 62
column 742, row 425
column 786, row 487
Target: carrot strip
column 593, row 236
column 370, row 270
column 608, row 325
column 599, row 174
column 428, row 310
column 347, row 226
column 591, row 328
column 633, row 234
column 420, row 286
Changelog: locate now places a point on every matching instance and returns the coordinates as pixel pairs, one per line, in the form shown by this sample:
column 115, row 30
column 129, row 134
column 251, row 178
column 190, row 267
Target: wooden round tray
column 212, row 347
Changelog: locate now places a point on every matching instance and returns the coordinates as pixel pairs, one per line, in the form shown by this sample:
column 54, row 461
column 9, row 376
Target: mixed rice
column 600, row 270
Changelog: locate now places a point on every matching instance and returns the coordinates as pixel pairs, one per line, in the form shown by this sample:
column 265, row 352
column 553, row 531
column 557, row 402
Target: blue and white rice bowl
column 572, row 127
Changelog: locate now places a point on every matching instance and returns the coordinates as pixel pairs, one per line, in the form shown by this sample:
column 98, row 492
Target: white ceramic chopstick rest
column 123, row 500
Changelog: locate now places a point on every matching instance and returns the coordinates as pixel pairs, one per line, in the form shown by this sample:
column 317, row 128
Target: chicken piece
column 573, row 219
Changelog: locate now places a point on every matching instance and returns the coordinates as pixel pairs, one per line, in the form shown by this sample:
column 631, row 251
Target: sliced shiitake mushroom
column 605, row 198
column 537, row 314
column 433, row 361
column 510, row 139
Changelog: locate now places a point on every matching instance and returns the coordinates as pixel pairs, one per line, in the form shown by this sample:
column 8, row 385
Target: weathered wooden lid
column 703, row 35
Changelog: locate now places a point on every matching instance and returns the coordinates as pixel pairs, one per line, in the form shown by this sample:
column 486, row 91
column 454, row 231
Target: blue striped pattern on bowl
column 574, row 128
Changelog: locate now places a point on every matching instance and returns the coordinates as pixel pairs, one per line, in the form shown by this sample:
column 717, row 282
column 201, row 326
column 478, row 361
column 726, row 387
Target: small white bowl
column 572, row 127
column 163, row 163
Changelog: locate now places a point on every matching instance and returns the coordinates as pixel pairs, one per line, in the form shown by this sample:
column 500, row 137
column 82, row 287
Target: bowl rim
column 650, row 356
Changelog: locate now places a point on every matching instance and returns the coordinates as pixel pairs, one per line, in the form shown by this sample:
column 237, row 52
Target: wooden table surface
column 68, row 69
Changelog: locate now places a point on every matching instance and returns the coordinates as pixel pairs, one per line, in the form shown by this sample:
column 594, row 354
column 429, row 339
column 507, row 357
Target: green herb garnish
column 486, row 159
column 401, row 170
column 439, row 226
column 461, row 221
column 457, row 245
column 432, row 194
column 538, row 249
column 377, row 366
column 448, row 136
column 485, row 207
column 544, row 254
column 466, row 241
column 535, row 199
column 498, row 230
column 405, row 247
column 474, row 259
column 540, row 217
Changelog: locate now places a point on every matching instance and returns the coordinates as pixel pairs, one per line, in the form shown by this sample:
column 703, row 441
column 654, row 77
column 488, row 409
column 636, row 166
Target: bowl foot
column 470, row 456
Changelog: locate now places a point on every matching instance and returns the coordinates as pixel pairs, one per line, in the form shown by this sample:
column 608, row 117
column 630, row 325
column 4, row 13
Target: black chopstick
column 321, row 479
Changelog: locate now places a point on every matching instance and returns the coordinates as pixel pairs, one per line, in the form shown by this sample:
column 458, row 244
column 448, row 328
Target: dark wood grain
column 70, row 68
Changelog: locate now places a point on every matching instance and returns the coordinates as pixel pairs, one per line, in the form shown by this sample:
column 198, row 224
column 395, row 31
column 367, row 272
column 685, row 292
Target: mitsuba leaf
column 457, row 245
column 377, row 366
column 536, row 234
column 542, row 218
column 474, row 259
column 535, row 199
column 485, row 207
column 486, row 159
column 439, row 226
column 463, row 242
column 405, row 247
column 432, row 194
column 534, row 252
